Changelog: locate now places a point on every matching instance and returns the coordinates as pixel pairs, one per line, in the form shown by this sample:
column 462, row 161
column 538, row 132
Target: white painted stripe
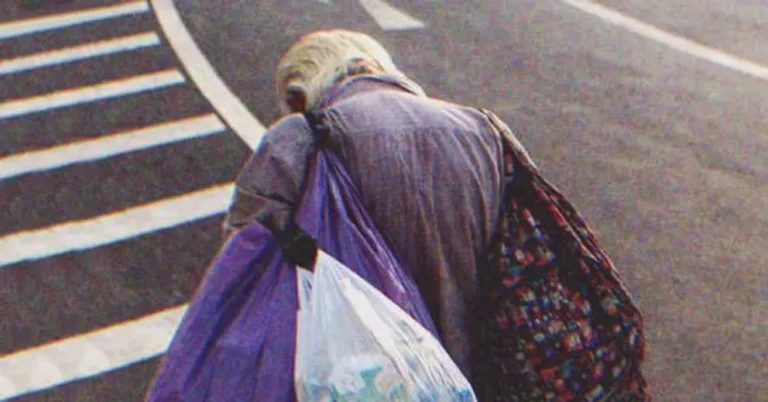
column 674, row 41
column 131, row 342
column 80, row 52
column 229, row 106
column 88, row 354
column 388, row 17
column 114, row 227
column 111, row 89
column 47, row 23
column 104, row 147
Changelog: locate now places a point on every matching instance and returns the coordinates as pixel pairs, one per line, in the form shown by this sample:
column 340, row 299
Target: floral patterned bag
column 557, row 323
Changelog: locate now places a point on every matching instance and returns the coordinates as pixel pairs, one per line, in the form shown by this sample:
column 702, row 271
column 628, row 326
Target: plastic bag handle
column 299, row 248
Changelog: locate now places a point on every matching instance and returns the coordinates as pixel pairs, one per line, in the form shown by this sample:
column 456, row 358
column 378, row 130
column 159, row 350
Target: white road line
column 674, row 41
column 110, row 89
column 88, row 354
column 111, row 145
column 80, row 52
column 28, row 26
column 229, row 106
column 135, row 341
column 388, row 17
column 114, row 227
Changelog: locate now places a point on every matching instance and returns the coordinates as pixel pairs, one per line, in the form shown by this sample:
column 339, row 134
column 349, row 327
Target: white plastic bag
column 303, row 285
column 354, row 344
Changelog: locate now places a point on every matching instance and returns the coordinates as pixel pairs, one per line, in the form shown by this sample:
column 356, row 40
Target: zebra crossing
column 114, row 173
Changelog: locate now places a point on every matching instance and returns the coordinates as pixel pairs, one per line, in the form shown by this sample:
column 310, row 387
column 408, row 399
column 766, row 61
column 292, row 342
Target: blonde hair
column 321, row 59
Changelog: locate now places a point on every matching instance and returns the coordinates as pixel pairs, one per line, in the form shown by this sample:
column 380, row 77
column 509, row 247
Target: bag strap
column 318, row 123
column 299, row 248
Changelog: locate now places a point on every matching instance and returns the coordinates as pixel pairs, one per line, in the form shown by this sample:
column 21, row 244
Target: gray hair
column 321, row 59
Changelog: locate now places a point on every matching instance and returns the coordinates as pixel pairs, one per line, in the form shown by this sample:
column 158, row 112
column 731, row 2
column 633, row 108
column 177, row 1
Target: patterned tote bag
column 556, row 322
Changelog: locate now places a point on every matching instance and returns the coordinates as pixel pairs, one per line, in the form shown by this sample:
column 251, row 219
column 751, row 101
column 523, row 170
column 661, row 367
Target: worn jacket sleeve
column 271, row 183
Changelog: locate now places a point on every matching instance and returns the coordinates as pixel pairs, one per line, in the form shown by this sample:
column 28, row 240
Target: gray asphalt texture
column 666, row 155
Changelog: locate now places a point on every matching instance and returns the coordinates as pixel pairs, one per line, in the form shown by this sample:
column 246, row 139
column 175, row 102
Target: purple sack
column 237, row 340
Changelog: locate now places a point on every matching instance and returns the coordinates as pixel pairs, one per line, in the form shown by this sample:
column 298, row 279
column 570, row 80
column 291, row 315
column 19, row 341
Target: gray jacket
column 429, row 173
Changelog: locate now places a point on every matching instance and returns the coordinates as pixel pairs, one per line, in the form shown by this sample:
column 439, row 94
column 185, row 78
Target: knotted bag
column 236, row 341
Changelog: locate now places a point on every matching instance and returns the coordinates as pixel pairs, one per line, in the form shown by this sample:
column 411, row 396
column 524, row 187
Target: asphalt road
column 665, row 154
column 50, row 299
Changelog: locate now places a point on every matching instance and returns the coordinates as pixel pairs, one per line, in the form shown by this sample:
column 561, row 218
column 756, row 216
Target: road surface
column 661, row 144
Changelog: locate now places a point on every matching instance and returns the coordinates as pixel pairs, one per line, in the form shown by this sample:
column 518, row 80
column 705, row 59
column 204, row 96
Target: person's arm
column 271, row 183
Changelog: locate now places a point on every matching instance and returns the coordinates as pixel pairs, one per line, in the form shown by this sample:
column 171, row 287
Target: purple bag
column 237, row 340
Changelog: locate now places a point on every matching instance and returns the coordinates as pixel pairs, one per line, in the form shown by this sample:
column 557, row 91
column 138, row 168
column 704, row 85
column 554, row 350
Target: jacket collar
column 365, row 83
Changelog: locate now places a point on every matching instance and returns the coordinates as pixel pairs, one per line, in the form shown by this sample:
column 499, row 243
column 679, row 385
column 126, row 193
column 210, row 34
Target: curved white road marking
column 79, row 52
column 110, row 145
column 229, row 106
column 669, row 39
column 88, row 354
column 131, row 342
column 40, row 24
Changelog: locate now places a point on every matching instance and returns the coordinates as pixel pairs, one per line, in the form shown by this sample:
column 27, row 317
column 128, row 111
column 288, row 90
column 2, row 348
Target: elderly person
column 430, row 173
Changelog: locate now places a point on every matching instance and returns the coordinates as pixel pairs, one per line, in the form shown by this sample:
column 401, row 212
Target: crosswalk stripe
column 80, row 52
column 110, row 89
column 388, row 17
column 47, row 23
column 114, row 227
column 111, row 145
column 88, row 354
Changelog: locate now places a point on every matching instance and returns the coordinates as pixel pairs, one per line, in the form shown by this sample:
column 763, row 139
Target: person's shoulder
column 288, row 123
column 290, row 132
column 399, row 103
column 464, row 116
column 440, row 106
column 291, row 126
